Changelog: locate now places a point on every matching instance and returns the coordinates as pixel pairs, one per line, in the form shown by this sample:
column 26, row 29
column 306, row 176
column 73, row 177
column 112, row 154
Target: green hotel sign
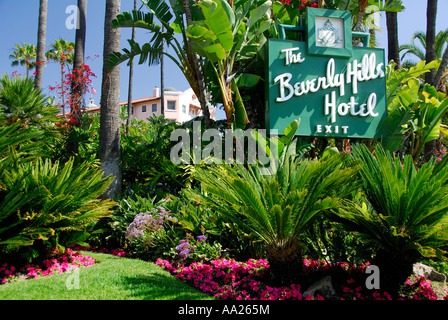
column 335, row 89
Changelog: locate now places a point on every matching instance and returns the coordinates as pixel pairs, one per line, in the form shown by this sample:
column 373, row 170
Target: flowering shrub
column 67, row 261
column 229, row 279
column 195, row 250
column 148, row 233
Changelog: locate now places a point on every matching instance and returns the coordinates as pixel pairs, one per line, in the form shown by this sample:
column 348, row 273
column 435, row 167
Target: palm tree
column 23, row 55
column 62, row 52
column 41, row 38
column 109, row 136
column 417, row 47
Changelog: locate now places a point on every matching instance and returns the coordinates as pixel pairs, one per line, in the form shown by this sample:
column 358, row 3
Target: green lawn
column 111, row 278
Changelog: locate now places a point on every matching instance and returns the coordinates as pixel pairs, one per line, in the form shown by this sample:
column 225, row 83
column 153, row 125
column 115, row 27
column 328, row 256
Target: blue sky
column 18, row 22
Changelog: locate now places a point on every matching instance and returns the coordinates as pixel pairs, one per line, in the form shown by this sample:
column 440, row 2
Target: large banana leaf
column 224, row 35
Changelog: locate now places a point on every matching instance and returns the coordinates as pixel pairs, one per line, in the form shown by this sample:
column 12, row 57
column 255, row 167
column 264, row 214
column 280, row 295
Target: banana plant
column 415, row 112
column 225, row 35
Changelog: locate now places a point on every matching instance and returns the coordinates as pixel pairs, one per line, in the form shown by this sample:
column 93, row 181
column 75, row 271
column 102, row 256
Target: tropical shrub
column 193, row 249
column 114, row 227
column 404, row 213
column 414, row 111
column 26, row 106
column 86, row 136
column 58, row 208
column 45, row 205
column 200, row 220
column 151, row 234
column 278, row 208
column 146, row 167
column 228, row 36
column 21, row 102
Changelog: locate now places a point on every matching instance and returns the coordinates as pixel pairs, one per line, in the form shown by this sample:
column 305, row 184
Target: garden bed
column 229, row 279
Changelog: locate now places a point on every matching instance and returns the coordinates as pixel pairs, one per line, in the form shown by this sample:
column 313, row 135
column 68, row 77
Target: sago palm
column 45, row 205
column 280, row 207
column 405, row 212
column 21, row 102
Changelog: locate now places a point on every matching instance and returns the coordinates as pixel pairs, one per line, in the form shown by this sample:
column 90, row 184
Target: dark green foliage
column 146, row 166
column 87, row 137
column 329, row 241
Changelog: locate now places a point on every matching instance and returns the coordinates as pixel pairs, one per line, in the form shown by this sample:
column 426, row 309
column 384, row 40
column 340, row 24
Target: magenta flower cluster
column 67, row 261
column 229, row 279
column 422, row 288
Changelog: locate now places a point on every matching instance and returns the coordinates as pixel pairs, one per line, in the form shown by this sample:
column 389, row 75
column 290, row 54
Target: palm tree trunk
column 392, row 38
column 41, row 38
column 162, row 78
column 78, row 62
column 442, row 68
column 431, row 14
column 27, row 69
column 80, row 37
column 199, row 72
column 131, row 76
column 110, row 123
column 362, row 4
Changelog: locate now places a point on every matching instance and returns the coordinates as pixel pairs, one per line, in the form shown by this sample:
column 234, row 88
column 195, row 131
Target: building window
column 171, row 105
column 132, row 109
column 184, row 109
column 154, row 107
column 144, row 108
column 192, row 113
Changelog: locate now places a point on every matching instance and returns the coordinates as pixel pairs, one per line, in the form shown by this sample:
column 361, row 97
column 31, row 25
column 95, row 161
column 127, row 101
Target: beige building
column 180, row 106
